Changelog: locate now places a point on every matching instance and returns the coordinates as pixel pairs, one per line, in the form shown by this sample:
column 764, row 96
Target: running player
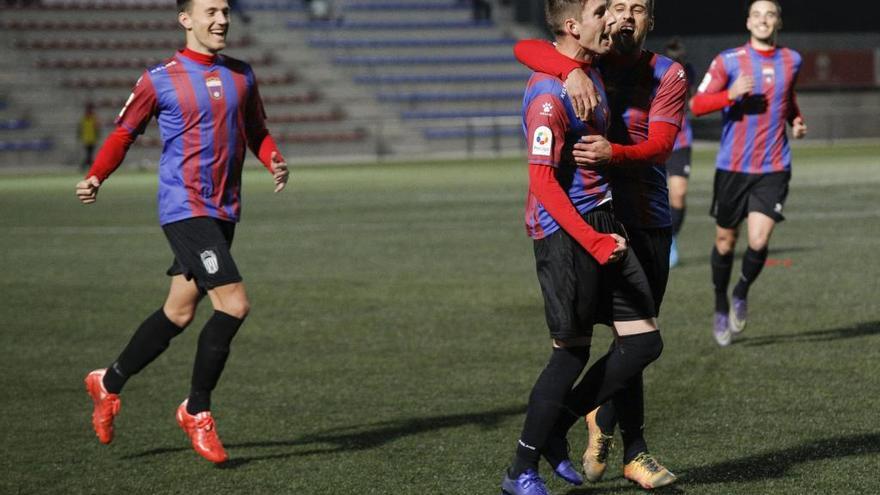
column 208, row 108
column 754, row 87
column 678, row 166
column 647, row 94
column 567, row 208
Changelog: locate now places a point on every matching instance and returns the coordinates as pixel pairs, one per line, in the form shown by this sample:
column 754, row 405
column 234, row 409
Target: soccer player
column 586, row 274
column 647, row 94
column 678, row 166
column 208, row 108
column 754, row 87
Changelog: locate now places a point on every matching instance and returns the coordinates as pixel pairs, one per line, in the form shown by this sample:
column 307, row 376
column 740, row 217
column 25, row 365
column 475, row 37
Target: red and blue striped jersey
column 654, row 90
column 207, row 112
column 552, row 128
column 754, row 139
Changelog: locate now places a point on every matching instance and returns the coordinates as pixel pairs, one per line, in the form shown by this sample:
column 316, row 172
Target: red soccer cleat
column 203, row 434
column 106, row 405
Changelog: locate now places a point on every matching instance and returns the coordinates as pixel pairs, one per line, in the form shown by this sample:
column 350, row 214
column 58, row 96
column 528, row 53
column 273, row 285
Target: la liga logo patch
column 542, row 141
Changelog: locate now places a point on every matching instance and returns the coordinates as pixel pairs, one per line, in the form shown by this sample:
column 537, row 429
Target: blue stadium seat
column 464, row 132
column 424, row 97
column 318, row 42
column 441, row 78
column 396, row 6
column 457, row 114
column 452, row 59
column 14, row 124
column 389, row 25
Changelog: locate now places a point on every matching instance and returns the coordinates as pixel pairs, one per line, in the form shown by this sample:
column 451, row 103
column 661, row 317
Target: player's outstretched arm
column 542, row 56
column 87, row 190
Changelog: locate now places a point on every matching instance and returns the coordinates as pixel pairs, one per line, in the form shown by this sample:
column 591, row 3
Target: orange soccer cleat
column 203, row 433
column 646, row 472
column 595, row 458
column 106, row 405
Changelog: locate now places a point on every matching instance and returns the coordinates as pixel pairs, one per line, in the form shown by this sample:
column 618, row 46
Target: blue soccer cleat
column 673, row 253
column 568, row 473
column 528, row 483
column 739, row 311
column 721, row 332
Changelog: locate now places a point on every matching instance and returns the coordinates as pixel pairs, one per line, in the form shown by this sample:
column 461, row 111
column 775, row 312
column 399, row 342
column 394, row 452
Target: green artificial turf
column 397, row 328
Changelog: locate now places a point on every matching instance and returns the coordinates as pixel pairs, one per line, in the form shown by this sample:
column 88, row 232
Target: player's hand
column 592, row 151
column 279, row 172
column 743, row 85
column 619, row 251
column 582, row 93
column 87, row 190
column 798, row 128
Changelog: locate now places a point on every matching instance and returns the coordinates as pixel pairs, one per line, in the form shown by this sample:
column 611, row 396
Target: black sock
column 677, row 219
column 722, row 265
column 545, row 404
column 606, row 417
column 631, row 403
column 752, row 264
column 609, row 375
column 211, row 357
column 149, row 340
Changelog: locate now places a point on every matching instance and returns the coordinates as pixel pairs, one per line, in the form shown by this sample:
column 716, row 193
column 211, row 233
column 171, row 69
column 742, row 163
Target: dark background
column 700, row 17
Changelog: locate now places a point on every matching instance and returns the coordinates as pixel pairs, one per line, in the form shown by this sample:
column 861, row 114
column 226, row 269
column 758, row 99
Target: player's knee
column 238, row 307
column 181, row 316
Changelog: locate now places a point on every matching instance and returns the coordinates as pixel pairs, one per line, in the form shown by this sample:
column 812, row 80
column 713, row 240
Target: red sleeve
column 544, row 186
column 139, row 108
column 702, row 104
column 546, row 127
column 669, row 101
column 258, row 138
column 131, row 122
column 111, row 154
column 712, row 93
column 542, row 56
column 655, row 149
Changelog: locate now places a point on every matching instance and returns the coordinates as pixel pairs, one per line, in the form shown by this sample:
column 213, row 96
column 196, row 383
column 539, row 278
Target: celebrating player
column 753, row 86
column 586, row 277
column 647, row 94
column 208, row 108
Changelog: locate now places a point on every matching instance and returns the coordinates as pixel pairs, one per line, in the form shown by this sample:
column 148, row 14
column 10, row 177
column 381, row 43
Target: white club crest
column 210, row 261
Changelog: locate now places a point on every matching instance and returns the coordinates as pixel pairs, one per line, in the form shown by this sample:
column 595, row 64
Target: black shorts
column 652, row 247
column 679, row 163
column 201, row 251
column 737, row 194
column 579, row 293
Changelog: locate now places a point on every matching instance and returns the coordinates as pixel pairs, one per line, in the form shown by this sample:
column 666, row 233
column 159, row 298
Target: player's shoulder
column 162, row 67
column 735, row 52
column 236, row 65
column 793, row 54
column 540, row 83
column 664, row 65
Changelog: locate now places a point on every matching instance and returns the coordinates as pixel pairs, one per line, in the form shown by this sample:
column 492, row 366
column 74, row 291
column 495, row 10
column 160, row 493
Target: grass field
column 397, row 328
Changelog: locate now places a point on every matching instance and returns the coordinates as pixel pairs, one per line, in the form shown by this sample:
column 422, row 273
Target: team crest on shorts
column 210, row 261
column 215, row 87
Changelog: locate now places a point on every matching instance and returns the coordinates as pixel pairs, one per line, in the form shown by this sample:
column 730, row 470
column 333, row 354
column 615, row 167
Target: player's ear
column 184, row 20
column 650, row 24
column 572, row 27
